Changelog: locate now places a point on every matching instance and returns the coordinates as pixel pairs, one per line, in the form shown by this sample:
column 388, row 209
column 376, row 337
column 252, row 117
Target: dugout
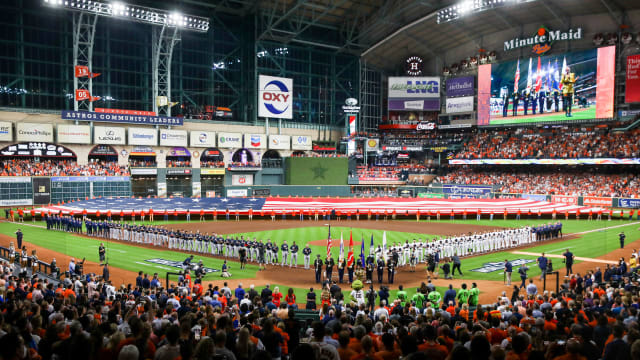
column 211, row 172
column 144, row 171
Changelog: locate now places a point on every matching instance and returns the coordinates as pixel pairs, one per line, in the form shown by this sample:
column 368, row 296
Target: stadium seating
column 16, row 167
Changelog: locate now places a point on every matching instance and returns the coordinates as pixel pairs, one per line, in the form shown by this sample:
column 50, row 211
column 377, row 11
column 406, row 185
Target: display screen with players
column 555, row 87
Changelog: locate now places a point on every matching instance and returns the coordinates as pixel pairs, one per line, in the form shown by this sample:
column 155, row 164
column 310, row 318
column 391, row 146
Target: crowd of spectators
column 248, row 164
column 29, row 167
column 431, row 139
column 133, row 162
column 593, row 316
column 552, row 143
column 374, row 191
column 396, row 172
column 211, row 164
column 544, row 180
column 315, row 154
column 178, row 163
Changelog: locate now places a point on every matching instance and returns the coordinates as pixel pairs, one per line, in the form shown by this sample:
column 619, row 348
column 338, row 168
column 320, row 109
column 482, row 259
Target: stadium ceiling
column 386, row 31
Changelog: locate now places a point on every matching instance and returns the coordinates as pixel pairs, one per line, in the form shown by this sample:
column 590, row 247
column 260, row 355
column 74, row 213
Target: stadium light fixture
column 456, row 11
column 134, row 13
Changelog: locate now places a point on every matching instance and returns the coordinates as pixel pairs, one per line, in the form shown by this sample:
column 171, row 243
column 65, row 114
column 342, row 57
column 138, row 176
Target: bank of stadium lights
column 135, row 13
column 467, row 7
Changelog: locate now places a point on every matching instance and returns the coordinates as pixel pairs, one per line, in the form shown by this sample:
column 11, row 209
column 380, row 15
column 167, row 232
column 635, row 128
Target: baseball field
column 594, row 243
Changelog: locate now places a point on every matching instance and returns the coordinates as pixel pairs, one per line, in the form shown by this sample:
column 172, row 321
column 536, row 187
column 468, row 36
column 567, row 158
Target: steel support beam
column 163, row 40
column 84, row 29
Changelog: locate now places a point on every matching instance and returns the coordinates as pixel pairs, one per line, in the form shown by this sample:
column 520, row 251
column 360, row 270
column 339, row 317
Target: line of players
column 267, row 253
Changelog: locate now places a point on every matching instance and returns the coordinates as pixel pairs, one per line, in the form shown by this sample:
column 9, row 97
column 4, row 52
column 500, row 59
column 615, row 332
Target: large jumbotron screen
column 530, row 89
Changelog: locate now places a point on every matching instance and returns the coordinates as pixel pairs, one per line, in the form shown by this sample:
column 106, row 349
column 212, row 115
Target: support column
column 163, row 40
column 84, row 29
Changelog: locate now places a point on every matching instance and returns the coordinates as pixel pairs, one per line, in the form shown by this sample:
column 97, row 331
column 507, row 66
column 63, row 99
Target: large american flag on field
column 278, row 205
column 412, row 205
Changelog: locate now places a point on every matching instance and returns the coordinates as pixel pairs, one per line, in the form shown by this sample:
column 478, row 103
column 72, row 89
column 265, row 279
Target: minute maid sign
column 541, row 41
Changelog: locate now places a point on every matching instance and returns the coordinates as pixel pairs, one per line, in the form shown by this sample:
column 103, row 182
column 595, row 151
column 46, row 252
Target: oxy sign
column 275, row 97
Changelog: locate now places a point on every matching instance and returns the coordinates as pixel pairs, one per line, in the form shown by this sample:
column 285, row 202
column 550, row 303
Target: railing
column 43, row 267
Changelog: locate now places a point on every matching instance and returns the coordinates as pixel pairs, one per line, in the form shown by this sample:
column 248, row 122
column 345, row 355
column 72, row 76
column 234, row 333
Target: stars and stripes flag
column 350, row 255
column 371, row 247
column 539, row 75
column 517, row 78
column 341, row 247
column 564, row 66
column 529, row 78
column 384, row 245
column 329, row 243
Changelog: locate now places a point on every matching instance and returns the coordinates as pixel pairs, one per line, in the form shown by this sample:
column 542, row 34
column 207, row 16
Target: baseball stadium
column 320, row 179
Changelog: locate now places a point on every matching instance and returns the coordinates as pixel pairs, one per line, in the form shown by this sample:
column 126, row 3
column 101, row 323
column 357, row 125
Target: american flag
column 517, row 78
column 412, row 205
column 350, row 255
column 329, row 243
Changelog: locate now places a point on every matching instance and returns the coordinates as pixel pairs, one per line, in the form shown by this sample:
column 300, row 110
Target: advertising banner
column 535, row 197
column 461, row 86
column 144, row 171
column 219, row 171
column 202, row 139
column 605, row 85
column 460, row 104
column 467, row 189
column 237, row 192
column 196, row 186
column 143, row 136
column 564, row 199
column 597, row 201
column 414, row 93
column 431, row 195
column 629, row 203
column 372, row 145
column 229, row 140
column 120, row 118
column 36, row 149
column 255, row 141
column 109, row 135
column 300, row 142
column 34, row 132
column 41, row 190
column 632, row 84
column 16, row 202
column 173, row 137
column 275, row 97
column 90, row 178
column 6, row 131
column 279, row 142
column 580, row 161
column 74, row 134
column 484, row 94
column 124, row 111
column 242, row 179
column 173, row 171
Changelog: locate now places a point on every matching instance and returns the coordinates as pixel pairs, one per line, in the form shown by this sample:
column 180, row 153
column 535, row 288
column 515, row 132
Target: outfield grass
column 119, row 255
column 127, row 257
